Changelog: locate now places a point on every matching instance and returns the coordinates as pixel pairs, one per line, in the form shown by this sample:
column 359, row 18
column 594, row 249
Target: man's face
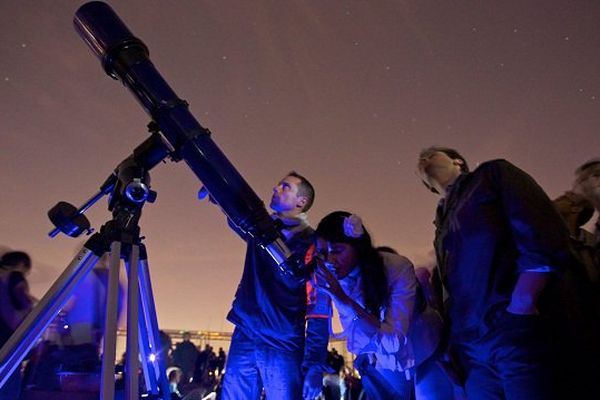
column 285, row 196
column 587, row 184
column 340, row 258
column 439, row 170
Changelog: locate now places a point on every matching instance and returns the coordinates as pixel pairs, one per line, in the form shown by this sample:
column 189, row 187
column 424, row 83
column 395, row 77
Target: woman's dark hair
column 374, row 281
column 14, row 258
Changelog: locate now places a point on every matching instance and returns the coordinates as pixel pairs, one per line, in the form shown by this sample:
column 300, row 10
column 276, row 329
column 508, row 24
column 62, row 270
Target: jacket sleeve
column 391, row 337
column 539, row 233
column 318, row 319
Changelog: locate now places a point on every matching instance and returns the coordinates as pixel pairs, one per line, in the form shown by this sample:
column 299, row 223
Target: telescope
column 176, row 134
column 124, row 57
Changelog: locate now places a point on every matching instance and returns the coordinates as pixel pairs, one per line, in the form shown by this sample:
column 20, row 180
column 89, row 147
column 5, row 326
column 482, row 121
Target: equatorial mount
column 128, row 188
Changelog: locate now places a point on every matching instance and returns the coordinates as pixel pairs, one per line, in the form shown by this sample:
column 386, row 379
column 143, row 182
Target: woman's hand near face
column 329, row 283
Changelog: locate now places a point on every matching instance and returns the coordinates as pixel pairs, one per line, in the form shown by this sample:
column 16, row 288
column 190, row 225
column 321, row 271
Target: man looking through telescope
column 278, row 343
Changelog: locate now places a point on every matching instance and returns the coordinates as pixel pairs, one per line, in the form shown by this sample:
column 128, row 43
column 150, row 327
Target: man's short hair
column 594, row 162
column 452, row 153
column 305, row 189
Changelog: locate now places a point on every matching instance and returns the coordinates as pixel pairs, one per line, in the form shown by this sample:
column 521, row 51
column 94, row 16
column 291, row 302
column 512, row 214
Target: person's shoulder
column 493, row 170
column 304, row 236
column 309, row 231
column 490, row 165
column 398, row 269
column 396, row 262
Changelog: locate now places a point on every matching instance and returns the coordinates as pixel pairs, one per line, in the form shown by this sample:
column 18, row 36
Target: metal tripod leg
column 107, row 386
column 26, row 335
column 149, row 372
column 149, row 328
column 133, row 300
column 142, row 328
column 147, row 357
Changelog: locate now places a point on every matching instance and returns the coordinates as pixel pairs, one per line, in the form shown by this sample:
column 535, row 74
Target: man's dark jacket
column 495, row 223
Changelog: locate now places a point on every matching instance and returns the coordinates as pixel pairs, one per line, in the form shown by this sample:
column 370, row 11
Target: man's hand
column 522, row 308
column 526, row 292
column 203, row 193
column 329, row 283
column 313, row 384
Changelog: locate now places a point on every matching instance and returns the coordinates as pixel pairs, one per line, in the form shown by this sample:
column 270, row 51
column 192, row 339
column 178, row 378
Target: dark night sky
column 345, row 92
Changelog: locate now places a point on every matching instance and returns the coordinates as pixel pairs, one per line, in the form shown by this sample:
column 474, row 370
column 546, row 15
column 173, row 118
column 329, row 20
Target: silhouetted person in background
column 184, row 357
column 15, row 304
column 174, row 379
column 332, row 383
column 335, row 361
column 166, row 346
column 576, row 211
column 587, row 184
column 221, row 358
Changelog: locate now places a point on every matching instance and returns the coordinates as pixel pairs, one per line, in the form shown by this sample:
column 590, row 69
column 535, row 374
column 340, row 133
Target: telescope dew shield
column 126, row 58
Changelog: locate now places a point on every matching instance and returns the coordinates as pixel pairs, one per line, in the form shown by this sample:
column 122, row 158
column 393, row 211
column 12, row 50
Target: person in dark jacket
column 280, row 341
column 184, row 357
column 502, row 250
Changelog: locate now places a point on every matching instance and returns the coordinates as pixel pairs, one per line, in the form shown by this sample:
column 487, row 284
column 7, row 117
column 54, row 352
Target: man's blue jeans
column 512, row 360
column 252, row 365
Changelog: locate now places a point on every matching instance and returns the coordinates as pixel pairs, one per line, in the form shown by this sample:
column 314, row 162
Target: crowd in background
column 191, row 368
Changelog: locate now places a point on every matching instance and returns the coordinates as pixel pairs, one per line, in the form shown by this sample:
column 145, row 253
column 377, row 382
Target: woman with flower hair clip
column 375, row 293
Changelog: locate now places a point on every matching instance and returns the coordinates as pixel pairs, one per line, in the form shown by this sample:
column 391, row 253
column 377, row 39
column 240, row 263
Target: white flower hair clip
column 353, row 227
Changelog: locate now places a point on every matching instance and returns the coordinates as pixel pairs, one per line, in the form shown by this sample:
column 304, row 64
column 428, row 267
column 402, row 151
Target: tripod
column 121, row 238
